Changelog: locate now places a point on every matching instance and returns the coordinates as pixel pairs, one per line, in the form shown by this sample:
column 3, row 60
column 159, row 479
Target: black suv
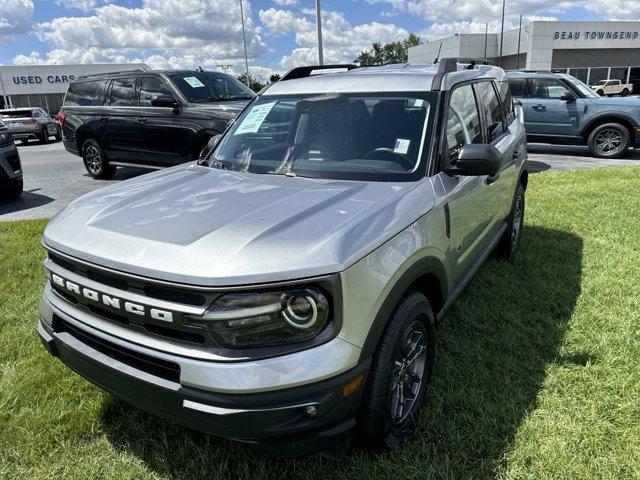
column 10, row 166
column 148, row 119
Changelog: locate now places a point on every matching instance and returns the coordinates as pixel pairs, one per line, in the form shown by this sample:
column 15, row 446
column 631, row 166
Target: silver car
column 284, row 291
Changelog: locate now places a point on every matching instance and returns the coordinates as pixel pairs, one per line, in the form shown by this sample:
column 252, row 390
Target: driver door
column 471, row 203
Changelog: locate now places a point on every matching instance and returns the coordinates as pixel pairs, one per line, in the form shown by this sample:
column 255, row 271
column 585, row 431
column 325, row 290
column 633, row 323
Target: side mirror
column 476, row 160
column 568, row 97
column 211, row 144
column 165, row 101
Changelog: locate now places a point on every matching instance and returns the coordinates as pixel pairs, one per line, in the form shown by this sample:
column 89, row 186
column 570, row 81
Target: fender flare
column 425, row 266
column 610, row 116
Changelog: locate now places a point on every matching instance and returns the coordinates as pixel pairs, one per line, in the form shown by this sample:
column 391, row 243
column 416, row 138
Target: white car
column 612, row 87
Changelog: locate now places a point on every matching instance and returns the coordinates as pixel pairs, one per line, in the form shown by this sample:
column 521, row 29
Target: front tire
column 600, row 92
column 400, row 374
column 510, row 239
column 59, row 135
column 609, row 140
column 95, row 161
column 44, row 136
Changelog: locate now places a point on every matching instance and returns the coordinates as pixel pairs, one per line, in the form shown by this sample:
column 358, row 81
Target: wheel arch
column 82, row 134
column 427, row 276
column 629, row 123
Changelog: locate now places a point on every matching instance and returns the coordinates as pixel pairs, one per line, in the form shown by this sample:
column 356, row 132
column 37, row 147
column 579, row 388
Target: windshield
column 584, row 89
column 346, row 136
column 202, row 87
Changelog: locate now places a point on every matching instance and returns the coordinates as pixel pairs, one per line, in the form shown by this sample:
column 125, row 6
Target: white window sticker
column 402, row 146
column 194, row 82
column 418, row 103
column 254, row 119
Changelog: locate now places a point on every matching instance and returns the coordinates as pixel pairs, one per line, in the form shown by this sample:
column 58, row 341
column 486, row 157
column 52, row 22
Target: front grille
column 146, row 363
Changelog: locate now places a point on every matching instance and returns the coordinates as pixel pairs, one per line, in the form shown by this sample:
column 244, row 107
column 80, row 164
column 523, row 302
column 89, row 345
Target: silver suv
column 284, row 291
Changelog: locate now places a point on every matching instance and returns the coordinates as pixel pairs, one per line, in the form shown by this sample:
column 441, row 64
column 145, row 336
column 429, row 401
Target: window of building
column 597, row 74
column 492, row 110
column 619, row 73
column 152, row 88
column 463, row 122
column 579, row 73
column 547, row 88
column 123, row 91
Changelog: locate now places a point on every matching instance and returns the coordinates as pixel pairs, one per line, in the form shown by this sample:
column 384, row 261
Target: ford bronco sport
column 284, row 291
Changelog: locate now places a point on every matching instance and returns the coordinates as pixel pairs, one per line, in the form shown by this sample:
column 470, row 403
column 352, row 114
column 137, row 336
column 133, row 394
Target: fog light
column 311, row 410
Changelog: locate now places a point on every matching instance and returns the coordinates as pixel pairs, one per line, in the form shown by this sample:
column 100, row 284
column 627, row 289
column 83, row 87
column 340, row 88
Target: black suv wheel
column 609, row 140
column 95, row 161
column 400, row 374
column 13, row 190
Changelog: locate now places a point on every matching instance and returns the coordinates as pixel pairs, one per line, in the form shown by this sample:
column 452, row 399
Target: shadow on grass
column 493, row 350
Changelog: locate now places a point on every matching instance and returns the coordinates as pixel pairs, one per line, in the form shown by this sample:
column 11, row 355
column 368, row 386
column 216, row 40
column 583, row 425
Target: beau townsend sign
column 593, row 35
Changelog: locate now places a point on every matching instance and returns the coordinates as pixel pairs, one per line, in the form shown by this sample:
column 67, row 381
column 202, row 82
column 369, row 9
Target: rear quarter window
column 86, row 94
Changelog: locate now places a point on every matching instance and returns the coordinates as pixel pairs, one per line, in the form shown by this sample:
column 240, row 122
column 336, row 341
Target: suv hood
column 209, row 227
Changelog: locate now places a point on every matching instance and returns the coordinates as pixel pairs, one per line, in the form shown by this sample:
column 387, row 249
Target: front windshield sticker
column 194, row 82
column 402, row 146
column 254, row 119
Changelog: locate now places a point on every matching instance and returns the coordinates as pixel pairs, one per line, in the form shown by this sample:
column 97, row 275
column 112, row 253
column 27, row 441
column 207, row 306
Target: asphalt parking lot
column 53, row 177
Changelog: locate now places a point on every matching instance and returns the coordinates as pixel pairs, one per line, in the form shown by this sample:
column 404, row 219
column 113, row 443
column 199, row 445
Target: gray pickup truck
column 284, row 291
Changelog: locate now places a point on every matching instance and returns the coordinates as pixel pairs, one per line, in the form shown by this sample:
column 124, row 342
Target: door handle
column 141, row 119
column 539, row 107
column 103, row 118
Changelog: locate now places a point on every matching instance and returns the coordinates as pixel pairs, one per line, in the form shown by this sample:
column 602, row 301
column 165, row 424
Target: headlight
column 265, row 318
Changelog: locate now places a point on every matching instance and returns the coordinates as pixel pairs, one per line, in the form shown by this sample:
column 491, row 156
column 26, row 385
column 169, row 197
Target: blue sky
column 280, row 33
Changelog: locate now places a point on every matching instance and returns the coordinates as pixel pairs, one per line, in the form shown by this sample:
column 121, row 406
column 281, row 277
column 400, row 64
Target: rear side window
column 492, row 109
column 507, row 102
column 152, row 88
column 123, row 91
column 85, row 94
column 518, row 87
column 463, row 122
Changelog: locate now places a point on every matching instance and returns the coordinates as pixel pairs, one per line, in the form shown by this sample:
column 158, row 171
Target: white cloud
column 342, row 41
column 84, row 5
column 15, row 18
column 286, row 2
column 197, row 32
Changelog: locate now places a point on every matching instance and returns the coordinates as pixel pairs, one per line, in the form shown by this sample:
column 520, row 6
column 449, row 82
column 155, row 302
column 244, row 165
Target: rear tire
column 600, row 92
column 625, row 92
column 59, row 135
column 609, row 140
column 400, row 374
column 13, row 190
column 95, row 161
column 510, row 239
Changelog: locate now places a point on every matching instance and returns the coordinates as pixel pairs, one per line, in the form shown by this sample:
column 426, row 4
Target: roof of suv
column 403, row 77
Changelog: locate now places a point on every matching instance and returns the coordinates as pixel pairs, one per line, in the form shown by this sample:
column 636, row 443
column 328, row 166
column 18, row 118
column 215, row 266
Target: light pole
column 319, row 25
column 486, row 33
column 244, row 39
column 502, row 31
column 225, row 67
column 519, row 35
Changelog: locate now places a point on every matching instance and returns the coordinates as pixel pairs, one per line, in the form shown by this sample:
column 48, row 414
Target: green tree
column 394, row 52
column 274, row 78
column 254, row 84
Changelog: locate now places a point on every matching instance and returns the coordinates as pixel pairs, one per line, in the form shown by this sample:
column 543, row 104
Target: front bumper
column 290, row 421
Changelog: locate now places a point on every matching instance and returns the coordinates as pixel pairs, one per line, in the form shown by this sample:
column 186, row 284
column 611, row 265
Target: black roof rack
column 450, row 64
column 115, row 72
column 302, row 72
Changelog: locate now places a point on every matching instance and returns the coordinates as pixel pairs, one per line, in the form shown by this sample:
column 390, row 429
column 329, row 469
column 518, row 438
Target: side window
column 518, row 87
column 547, row 88
column 122, row 92
column 492, row 110
column 463, row 121
column 504, row 91
column 152, row 88
column 85, row 94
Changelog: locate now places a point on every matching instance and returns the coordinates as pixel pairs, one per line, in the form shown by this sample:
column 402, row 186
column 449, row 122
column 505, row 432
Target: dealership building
column 590, row 50
column 45, row 85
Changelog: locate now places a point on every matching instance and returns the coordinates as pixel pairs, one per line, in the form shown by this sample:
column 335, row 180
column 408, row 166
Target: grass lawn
column 537, row 370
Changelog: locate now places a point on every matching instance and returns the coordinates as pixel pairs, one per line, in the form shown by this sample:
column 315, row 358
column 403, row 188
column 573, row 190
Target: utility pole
column 244, row 39
column 502, row 31
column 319, row 25
column 518, row 54
column 486, row 34
column 225, row 67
